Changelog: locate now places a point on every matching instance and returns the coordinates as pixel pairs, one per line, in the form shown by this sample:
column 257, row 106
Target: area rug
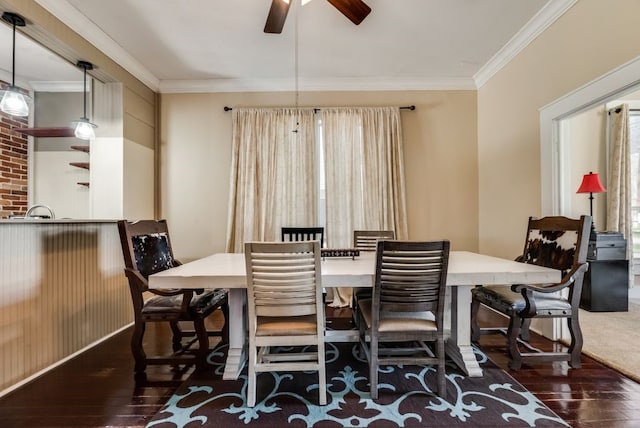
column 613, row 339
column 406, row 398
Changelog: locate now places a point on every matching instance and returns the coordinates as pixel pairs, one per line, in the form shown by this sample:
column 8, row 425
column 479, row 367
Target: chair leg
column 524, row 330
column 137, row 350
column 373, row 367
column 475, row 327
column 322, row 376
column 442, row 380
column 513, row 332
column 177, row 336
column 203, row 343
column 251, row 380
column 575, row 349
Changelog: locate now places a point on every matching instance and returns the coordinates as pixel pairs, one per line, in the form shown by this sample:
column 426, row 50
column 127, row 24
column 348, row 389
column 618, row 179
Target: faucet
column 34, row 207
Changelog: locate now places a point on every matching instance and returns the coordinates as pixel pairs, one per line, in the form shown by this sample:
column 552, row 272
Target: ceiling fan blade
column 277, row 16
column 355, row 10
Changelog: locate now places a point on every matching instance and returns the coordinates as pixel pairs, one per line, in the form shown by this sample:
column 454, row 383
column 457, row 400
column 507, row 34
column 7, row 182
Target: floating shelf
column 81, row 148
column 84, row 165
column 64, row 131
column 83, row 183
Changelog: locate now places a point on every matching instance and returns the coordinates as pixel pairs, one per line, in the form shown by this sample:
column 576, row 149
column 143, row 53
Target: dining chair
column 146, row 248
column 406, row 311
column 285, row 311
column 367, row 241
column 295, row 234
column 556, row 242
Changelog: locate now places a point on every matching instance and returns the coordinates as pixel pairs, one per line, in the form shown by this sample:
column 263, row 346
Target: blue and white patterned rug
column 406, row 398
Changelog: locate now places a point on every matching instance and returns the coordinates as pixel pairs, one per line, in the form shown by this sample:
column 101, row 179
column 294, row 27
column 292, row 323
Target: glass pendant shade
column 14, row 103
column 84, row 129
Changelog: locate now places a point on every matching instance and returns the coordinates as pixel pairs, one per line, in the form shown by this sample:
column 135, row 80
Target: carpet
column 405, row 400
column 613, row 339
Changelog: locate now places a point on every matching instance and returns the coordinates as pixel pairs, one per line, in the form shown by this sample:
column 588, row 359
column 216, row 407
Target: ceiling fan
column 355, row 10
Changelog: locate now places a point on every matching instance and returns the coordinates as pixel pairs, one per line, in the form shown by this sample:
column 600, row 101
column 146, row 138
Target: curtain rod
column 318, row 109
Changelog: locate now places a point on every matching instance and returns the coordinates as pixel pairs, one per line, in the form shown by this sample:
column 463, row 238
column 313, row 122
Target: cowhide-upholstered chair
column 295, row 234
column 406, row 311
column 556, row 242
column 367, row 241
column 285, row 311
column 146, row 248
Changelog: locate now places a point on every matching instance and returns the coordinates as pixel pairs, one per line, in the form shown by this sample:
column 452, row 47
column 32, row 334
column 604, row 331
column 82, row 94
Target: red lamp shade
column 591, row 184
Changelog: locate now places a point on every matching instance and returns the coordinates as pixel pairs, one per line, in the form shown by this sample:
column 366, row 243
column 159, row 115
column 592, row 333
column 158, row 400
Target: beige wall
column 440, row 161
column 589, row 40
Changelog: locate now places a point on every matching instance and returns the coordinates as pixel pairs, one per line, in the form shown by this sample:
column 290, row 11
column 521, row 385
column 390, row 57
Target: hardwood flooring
column 98, row 389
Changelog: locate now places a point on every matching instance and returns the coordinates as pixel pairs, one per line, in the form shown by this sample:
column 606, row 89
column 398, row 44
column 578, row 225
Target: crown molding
column 314, row 85
column 71, row 17
column 59, row 86
column 553, row 10
column 79, row 23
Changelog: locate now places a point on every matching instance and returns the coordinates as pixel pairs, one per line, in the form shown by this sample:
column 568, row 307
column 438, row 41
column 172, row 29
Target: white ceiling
column 219, row 45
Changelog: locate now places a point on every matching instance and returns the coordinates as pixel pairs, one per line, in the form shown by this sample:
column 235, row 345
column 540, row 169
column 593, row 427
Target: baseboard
column 62, row 361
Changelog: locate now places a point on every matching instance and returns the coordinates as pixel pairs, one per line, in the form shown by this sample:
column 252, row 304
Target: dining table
column 466, row 269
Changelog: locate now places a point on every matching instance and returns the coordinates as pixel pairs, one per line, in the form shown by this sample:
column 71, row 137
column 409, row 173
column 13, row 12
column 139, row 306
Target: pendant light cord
column 13, row 57
column 84, row 94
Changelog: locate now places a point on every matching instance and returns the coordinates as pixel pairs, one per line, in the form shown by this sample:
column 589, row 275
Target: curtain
column 274, row 174
column 619, row 179
column 364, row 175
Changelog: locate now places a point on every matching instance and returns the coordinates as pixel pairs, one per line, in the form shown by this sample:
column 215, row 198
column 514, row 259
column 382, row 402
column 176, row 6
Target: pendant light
column 13, row 101
column 84, row 128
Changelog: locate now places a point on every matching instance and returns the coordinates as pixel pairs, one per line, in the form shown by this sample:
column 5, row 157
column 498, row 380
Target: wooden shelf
column 48, row 132
column 84, row 165
column 83, row 183
column 81, row 148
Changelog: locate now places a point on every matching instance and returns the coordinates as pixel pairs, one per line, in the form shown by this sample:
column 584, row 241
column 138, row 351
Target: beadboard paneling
column 62, row 288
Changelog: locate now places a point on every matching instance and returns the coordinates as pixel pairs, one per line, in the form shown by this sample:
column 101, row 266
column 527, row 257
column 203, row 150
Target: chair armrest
column 143, row 284
column 568, row 279
column 527, row 290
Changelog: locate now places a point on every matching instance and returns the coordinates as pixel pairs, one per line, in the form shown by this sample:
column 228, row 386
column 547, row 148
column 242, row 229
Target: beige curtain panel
column 619, row 179
column 274, row 174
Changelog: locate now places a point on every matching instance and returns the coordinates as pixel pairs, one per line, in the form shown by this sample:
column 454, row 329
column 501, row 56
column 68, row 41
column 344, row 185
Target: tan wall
column 440, row 161
column 589, row 40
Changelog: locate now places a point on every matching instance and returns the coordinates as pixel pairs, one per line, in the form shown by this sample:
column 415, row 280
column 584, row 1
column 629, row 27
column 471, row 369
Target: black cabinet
column 606, row 283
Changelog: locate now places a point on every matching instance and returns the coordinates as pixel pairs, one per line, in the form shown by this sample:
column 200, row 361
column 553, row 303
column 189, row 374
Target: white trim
column 616, row 83
column 60, row 362
column 59, row 86
column 79, row 23
column 288, row 84
column 553, row 10
column 609, row 86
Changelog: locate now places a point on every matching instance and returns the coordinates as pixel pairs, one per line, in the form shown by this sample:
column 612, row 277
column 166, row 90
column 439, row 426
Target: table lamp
column 591, row 184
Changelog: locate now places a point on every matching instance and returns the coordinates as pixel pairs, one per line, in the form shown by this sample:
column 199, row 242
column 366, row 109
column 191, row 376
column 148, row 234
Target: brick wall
column 13, row 165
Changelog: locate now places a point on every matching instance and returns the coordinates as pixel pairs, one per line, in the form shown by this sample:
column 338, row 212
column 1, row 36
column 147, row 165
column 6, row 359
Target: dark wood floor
column 97, row 389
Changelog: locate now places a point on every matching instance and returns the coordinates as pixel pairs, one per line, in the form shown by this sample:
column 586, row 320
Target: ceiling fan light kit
column 84, row 129
column 13, row 101
column 355, row 10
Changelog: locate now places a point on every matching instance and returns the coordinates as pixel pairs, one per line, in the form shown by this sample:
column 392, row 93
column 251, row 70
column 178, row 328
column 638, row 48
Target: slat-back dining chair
column 285, row 311
column 146, row 248
column 407, row 308
column 556, row 242
column 366, row 240
column 296, row 234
